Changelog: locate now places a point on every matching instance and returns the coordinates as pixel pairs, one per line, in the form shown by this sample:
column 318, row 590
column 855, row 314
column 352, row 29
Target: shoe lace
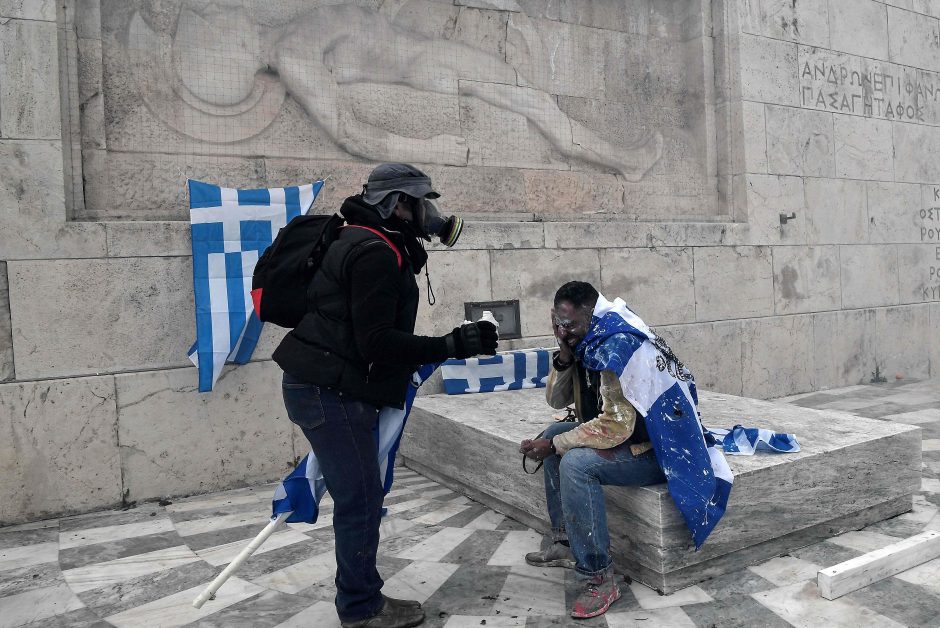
column 592, row 590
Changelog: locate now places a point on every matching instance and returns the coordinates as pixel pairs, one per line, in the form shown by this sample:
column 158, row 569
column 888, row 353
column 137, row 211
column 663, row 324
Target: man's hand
column 565, row 354
column 537, row 449
column 470, row 339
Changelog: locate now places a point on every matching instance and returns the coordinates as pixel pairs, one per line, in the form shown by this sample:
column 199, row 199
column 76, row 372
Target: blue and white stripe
column 230, row 230
column 511, row 370
column 744, row 441
column 664, row 394
column 301, row 491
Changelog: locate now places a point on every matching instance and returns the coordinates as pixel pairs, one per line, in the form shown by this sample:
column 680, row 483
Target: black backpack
column 279, row 282
column 280, row 279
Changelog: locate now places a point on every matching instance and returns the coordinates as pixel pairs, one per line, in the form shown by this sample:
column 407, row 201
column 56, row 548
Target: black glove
column 472, row 339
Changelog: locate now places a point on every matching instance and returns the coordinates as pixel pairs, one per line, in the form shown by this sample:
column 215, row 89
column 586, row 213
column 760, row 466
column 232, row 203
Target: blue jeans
column 341, row 431
column 576, row 500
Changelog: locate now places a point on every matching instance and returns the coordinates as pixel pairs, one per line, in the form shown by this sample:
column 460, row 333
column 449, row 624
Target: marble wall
column 554, row 108
column 840, row 109
column 97, row 396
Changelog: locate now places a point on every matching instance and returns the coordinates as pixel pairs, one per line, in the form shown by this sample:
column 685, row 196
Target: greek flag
column 663, row 392
column 301, row 491
column 230, row 230
column 511, row 370
column 744, row 441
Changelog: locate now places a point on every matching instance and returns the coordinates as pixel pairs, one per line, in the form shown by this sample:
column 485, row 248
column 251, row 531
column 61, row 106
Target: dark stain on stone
column 632, row 283
column 852, row 363
column 788, row 279
column 544, row 288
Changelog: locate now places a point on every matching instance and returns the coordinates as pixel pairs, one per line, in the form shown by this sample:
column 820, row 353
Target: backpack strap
column 381, row 235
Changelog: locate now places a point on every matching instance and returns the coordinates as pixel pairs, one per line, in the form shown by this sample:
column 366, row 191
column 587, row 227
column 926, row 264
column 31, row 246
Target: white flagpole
column 268, row 530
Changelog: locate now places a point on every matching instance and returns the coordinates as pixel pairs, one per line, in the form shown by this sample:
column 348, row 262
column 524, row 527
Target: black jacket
column 357, row 336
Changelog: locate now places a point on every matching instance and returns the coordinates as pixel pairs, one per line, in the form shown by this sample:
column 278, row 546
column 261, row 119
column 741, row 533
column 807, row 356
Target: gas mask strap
column 431, row 298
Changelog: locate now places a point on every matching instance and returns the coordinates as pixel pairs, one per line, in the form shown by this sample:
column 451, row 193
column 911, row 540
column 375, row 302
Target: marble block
column 58, row 448
column 141, row 311
column 236, row 435
column 851, row 472
column 28, row 58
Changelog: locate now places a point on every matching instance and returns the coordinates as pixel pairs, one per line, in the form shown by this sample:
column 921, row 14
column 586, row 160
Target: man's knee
column 577, row 463
column 367, row 509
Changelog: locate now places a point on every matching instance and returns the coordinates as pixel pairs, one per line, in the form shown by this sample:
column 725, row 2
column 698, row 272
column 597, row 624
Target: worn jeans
column 341, row 431
column 576, row 500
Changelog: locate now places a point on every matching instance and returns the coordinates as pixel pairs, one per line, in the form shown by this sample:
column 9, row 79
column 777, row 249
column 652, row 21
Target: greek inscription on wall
column 930, row 232
column 853, row 85
column 932, row 292
column 930, row 219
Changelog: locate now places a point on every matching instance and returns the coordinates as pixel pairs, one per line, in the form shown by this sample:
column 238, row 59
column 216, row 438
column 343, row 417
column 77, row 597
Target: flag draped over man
column 230, row 230
column 663, row 392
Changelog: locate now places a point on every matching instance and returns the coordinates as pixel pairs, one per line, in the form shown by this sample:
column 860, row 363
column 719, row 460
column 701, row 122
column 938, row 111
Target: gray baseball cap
column 395, row 179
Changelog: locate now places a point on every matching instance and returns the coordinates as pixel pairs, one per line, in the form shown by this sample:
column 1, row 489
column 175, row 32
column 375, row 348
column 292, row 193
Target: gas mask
column 390, row 183
column 430, row 222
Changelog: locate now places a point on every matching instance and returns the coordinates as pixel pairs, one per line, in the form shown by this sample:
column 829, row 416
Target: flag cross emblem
column 511, row 370
column 230, row 230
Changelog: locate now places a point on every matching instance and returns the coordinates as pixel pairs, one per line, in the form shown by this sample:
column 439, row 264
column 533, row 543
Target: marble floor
column 143, row 566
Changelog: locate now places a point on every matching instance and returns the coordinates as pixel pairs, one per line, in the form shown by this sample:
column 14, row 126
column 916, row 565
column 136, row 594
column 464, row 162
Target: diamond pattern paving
column 144, row 566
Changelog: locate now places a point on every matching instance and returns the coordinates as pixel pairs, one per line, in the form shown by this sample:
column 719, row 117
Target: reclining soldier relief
column 316, row 59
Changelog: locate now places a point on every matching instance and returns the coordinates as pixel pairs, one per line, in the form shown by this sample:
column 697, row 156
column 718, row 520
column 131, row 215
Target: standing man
column 354, row 352
column 608, row 445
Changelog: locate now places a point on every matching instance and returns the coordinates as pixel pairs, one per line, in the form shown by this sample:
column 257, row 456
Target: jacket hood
column 357, row 212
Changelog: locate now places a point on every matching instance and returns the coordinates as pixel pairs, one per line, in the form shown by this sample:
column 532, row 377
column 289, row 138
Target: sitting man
column 609, row 445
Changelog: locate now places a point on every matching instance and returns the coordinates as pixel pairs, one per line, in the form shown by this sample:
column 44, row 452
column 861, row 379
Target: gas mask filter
column 431, row 223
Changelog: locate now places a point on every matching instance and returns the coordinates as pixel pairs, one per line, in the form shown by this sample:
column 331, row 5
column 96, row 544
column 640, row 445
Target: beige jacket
column 610, row 428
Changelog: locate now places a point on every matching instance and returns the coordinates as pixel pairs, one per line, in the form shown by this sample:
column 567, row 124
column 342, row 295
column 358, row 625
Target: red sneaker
column 599, row 593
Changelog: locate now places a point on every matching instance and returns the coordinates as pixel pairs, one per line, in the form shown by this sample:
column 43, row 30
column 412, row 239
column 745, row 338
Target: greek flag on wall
column 230, row 230
column 511, row 370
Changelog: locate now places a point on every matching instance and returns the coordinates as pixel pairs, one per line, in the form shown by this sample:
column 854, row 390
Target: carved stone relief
column 222, row 78
column 432, row 82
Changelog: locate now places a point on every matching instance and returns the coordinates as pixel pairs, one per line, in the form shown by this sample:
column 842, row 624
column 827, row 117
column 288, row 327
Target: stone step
column 850, row 473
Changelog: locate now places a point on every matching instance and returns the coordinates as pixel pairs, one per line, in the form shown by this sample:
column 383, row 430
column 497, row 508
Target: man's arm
column 374, row 280
column 612, row 426
column 559, row 388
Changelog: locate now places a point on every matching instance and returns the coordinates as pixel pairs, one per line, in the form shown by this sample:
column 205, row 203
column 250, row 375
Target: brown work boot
column 391, row 616
column 598, row 594
column 555, row 555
